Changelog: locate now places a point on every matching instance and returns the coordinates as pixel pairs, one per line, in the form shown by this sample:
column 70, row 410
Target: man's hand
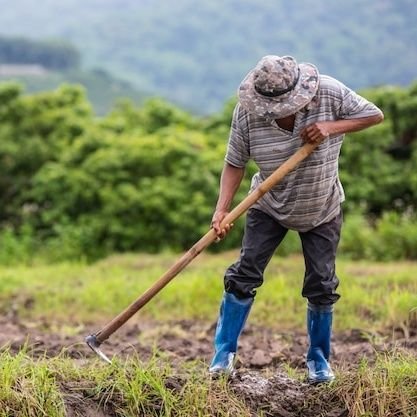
column 218, row 216
column 316, row 132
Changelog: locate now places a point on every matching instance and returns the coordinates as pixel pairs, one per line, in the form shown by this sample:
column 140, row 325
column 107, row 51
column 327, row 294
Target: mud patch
column 281, row 396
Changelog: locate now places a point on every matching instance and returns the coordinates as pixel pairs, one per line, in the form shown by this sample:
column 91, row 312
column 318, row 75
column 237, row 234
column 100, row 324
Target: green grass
column 375, row 296
column 49, row 388
column 68, row 295
column 27, row 389
column 386, row 388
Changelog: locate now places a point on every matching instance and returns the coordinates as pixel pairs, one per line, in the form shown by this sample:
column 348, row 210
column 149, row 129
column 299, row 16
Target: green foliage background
column 146, row 179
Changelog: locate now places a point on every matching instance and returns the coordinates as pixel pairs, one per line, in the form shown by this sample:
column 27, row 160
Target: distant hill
column 43, row 66
column 196, row 52
column 102, row 89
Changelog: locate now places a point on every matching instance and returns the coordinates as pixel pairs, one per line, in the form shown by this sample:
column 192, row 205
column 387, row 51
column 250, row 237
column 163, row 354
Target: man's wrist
column 223, row 204
column 332, row 128
column 222, row 208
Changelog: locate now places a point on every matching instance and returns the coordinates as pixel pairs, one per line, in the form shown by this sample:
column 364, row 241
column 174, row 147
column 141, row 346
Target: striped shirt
column 311, row 194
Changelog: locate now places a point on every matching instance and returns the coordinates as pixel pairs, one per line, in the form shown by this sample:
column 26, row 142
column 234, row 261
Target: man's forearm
column 316, row 132
column 341, row 126
column 229, row 183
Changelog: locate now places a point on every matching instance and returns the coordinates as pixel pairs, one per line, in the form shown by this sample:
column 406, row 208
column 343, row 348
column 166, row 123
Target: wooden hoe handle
column 205, row 241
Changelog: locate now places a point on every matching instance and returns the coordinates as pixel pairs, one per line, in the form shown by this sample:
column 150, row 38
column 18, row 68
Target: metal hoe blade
column 94, row 345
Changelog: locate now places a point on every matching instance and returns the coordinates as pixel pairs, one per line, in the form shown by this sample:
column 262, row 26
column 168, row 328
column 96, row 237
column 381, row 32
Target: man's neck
column 286, row 123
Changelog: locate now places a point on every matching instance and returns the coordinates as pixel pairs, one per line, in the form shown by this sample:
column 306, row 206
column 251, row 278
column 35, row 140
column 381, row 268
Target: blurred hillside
column 102, row 89
column 195, row 53
column 44, row 65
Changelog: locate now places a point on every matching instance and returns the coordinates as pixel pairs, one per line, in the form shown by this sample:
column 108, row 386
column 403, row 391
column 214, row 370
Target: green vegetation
column 146, row 179
column 196, row 53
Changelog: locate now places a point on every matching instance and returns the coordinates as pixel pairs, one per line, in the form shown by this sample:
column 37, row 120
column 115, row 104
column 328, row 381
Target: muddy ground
column 260, row 380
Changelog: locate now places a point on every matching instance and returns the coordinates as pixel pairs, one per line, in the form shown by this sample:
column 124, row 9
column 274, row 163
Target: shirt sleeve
column 354, row 106
column 237, row 153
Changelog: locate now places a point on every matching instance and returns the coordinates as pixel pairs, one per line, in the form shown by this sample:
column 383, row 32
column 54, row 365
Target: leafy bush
column 392, row 237
column 146, row 179
column 17, row 247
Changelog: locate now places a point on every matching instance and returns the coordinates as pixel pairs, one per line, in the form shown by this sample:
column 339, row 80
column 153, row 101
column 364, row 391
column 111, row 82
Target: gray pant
column 263, row 235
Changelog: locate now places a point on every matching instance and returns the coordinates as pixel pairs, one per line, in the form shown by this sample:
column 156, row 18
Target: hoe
column 95, row 340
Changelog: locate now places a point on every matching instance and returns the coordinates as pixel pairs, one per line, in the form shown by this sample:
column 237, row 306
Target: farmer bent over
column 281, row 105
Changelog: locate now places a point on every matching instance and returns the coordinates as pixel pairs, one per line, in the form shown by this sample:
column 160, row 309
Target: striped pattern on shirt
column 311, row 194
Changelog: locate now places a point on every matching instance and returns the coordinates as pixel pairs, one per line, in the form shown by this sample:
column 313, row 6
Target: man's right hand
column 218, row 217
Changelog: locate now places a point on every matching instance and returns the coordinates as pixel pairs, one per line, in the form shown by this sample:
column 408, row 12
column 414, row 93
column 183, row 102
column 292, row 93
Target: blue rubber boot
column 233, row 314
column 319, row 327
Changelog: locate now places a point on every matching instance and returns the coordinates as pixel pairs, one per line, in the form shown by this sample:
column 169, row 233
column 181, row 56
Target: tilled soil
column 260, row 379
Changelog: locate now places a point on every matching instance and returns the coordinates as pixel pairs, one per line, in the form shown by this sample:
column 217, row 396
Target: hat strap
column 277, row 93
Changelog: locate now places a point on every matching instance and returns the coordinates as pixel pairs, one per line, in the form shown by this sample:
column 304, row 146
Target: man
column 281, row 105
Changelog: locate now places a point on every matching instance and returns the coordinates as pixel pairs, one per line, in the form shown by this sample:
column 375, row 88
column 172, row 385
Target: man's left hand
column 316, row 132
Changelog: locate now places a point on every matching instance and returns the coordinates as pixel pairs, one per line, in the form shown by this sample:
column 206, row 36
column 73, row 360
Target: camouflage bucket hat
column 278, row 87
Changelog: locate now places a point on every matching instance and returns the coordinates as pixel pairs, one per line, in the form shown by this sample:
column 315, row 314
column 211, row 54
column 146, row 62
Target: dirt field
column 260, row 379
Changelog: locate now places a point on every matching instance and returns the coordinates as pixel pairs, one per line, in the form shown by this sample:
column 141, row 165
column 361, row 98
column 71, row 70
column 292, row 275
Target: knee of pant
column 242, row 280
column 316, row 284
column 246, row 269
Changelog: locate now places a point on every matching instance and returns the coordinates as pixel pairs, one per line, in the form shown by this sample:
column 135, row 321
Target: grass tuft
column 386, row 388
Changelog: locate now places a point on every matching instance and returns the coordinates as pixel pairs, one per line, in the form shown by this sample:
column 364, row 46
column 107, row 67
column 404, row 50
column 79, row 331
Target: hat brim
column 281, row 106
